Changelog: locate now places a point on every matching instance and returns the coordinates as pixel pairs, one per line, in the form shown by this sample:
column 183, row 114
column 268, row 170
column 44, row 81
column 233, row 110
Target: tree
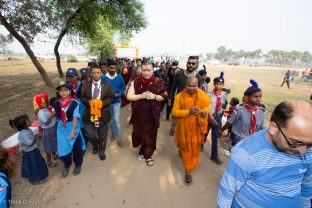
column 24, row 20
column 83, row 19
column 3, row 44
column 210, row 56
column 222, row 53
column 100, row 43
column 306, row 57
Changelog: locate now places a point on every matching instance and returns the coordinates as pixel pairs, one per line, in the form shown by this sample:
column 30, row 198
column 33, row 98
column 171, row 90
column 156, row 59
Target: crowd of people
column 270, row 165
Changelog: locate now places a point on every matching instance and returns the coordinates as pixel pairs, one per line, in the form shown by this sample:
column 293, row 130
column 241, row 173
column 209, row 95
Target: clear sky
column 200, row 26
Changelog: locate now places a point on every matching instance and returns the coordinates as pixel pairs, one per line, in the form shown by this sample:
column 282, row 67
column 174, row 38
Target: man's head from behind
column 290, row 127
column 191, row 85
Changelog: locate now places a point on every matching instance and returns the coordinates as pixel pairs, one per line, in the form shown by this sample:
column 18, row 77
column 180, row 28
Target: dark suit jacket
column 106, row 97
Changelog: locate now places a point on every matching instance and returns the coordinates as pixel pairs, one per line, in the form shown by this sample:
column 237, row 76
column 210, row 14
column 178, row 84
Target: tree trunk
column 57, row 54
column 28, row 50
column 62, row 34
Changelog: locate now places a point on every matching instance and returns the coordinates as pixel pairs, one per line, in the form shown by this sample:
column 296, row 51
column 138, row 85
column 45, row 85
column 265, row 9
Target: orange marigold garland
column 95, row 111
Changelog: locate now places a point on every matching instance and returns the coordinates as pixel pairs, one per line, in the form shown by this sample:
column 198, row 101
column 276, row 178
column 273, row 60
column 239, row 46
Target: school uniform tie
column 95, row 91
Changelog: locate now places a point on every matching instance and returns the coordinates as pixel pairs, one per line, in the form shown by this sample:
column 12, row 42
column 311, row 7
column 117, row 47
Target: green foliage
column 71, row 58
column 28, row 17
column 82, row 17
column 3, row 44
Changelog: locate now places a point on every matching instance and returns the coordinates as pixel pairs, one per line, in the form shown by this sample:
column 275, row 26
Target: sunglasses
column 293, row 144
column 191, row 63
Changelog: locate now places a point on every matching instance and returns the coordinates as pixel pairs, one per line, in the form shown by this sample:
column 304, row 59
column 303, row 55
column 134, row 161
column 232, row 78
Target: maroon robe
column 145, row 116
column 126, row 77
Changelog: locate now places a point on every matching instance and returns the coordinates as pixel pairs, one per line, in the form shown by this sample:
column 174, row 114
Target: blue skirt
column 34, row 166
column 49, row 139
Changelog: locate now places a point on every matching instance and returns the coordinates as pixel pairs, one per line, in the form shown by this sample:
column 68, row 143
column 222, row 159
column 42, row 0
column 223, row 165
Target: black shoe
column 77, row 170
column 65, row 172
column 102, row 156
column 95, row 150
column 188, row 178
column 216, row 160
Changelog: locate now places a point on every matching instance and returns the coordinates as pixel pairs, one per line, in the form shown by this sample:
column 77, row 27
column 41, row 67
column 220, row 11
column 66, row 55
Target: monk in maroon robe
column 148, row 96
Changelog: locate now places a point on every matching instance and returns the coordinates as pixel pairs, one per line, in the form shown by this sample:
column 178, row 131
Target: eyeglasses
column 293, row 144
column 191, row 63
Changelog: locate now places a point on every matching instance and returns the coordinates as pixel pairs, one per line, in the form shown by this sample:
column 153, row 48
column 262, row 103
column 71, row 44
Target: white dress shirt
column 98, row 86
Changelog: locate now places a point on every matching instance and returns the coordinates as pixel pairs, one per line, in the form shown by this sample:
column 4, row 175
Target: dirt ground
column 122, row 180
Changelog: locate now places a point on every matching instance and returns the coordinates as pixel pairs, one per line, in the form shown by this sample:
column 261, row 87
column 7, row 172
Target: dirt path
column 124, row 181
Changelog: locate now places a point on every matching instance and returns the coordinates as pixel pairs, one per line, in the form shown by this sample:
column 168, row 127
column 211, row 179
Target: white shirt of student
column 98, row 86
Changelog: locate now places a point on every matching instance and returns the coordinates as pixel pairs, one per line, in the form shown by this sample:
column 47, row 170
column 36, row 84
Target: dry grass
column 269, row 79
column 20, row 81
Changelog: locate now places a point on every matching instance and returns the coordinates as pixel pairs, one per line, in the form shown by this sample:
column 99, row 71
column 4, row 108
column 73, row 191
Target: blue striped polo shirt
column 259, row 175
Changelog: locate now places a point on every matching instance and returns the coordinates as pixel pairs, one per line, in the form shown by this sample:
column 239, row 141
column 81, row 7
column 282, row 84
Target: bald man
column 191, row 109
column 273, row 167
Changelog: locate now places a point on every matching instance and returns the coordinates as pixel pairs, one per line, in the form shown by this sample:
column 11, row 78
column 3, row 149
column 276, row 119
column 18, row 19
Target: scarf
column 73, row 87
column 183, row 129
column 41, row 101
column 63, row 115
column 218, row 101
column 144, row 82
column 253, row 118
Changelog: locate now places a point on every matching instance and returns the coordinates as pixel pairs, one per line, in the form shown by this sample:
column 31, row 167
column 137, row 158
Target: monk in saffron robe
column 190, row 108
column 148, row 96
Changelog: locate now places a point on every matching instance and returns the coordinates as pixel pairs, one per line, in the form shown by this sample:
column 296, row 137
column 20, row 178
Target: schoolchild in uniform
column 233, row 103
column 70, row 142
column 7, row 171
column 84, row 75
column 47, row 121
column 76, row 85
column 218, row 97
column 34, row 167
column 249, row 118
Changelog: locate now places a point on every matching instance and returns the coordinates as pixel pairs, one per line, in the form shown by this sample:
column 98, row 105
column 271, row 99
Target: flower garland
column 95, row 111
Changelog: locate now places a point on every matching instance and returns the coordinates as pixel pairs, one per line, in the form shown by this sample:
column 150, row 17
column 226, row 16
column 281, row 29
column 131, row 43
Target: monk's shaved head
column 192, row 79
column 191, row 85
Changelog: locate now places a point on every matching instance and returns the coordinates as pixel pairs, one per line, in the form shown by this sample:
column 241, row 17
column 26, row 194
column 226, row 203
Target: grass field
column 20, row 81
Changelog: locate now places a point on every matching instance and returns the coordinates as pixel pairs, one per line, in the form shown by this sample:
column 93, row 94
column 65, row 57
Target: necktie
column 95, row 91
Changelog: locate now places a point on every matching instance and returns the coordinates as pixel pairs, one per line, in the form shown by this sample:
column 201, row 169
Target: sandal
column 150, row 162
column 188, row 178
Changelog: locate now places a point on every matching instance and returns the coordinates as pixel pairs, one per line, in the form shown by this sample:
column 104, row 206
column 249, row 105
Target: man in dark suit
column 97, row 89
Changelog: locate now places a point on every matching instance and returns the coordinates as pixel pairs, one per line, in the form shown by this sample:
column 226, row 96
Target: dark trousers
column 169, row 108
column 235, row 139
column 76, row 155
column 97, row 135
column 214, row 134
column 287, row 82
column 84, row 136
